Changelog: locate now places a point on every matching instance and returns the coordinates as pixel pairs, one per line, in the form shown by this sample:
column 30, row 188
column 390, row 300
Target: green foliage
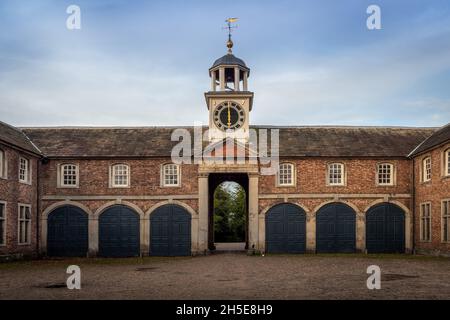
column 229, row 213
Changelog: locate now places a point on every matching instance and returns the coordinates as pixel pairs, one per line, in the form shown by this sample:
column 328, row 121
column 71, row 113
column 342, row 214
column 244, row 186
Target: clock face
column 229, row 115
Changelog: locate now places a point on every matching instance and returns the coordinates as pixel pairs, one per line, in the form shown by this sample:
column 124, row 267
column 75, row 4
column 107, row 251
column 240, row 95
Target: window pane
column 285, row 174
column 69, row 175
column 171, row 175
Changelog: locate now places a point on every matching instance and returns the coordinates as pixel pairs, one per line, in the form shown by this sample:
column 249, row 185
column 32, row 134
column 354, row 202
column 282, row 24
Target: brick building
column 117, row 191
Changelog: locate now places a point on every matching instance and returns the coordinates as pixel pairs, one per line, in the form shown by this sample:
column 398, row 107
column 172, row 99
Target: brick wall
column 360, row 180
column 433, row 191
column 13, row 192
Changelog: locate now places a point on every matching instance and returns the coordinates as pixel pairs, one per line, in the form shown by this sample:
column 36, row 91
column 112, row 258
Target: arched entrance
column 67, row 232
column 336, row 229
column 119, row 234
column 228, row 222
column 385, row 229
column 286, row 229
column 170, row 231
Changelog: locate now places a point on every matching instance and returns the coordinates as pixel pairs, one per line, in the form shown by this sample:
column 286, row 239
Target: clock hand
column 229, row 117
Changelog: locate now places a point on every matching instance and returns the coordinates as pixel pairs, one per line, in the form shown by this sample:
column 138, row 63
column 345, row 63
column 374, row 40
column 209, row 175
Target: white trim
column 393, row 174
column 293, row 175
column 19, row 205
column 112, row 176
column 5, row 221
column 60, row 176
column 343, row 173
column 424, row 168
column 163, row 178
column 3, row 165
column 447, row 162
column 27, row 173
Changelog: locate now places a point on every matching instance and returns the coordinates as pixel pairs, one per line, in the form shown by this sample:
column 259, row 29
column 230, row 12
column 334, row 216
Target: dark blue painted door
column 286, row 229
column 385, row 229
column 67, row 232
column 170, row 231
column 336, row 229
column 119, row 234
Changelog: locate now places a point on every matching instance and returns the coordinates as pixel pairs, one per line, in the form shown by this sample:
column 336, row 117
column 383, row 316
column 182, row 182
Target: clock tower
column 229, row 101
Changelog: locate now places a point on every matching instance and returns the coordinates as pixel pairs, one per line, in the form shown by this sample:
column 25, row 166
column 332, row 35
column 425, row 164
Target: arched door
column 385, row 229
column 286, row 229
column 67, row 232
column 170, row 231
column 119, row 234
column 336, row 229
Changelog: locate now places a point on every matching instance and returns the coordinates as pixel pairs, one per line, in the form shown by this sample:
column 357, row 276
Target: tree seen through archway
column 229, row 213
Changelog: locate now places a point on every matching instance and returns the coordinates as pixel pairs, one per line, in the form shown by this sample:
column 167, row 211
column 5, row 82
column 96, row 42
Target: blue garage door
column 336, row 229
column 119, row 234
column 170, row 231
column 67, row 232
column 385, row 229
column 286, row 229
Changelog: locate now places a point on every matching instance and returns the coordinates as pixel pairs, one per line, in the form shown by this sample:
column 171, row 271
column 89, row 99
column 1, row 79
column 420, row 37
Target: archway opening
column 228, row 218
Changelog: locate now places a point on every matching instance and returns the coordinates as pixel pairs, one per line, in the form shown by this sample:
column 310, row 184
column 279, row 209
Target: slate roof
column 437, row 138
column 229, row 59
column 383, row 142
column 15, row 137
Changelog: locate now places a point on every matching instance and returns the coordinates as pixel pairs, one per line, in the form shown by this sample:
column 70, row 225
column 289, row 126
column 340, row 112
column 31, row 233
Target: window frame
column 393, row 174
column 422, row 218
column 3, row 164
column 445, row 203
column 343, row 175
column 425, row 170
column 163, row 176
column 4, row 222
column 27, row 173
column 293, row 175
column 60, row 177
column 447, row 162
column 26, row 220
column 112, row 176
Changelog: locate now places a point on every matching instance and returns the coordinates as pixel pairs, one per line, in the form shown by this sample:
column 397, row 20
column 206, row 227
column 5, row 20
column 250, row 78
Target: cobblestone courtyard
column 230, row 276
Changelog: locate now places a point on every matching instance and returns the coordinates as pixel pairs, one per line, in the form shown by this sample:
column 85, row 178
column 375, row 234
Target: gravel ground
column 231, row 276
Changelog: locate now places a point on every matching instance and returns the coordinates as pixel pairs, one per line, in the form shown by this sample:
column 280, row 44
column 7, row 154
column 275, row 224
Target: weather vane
column 230, row 28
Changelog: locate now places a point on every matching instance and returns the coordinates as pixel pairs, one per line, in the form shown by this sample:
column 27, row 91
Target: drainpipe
column 414, row 206
column 38, row 209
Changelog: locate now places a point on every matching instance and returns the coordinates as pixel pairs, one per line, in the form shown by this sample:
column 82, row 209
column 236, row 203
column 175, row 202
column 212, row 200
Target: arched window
column 385, row 174
column 286, row 175
column 120, row 176
column 68, row 177
column 170, row 175
column 336, row 174
column 2, row 164
column 426, row 169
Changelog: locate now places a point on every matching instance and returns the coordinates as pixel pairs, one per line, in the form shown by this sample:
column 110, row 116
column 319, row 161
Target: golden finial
column 229, row 21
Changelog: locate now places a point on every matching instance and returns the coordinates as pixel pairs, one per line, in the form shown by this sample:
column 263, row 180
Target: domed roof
column 229, row 59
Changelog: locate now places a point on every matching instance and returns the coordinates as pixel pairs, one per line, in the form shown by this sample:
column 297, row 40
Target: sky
column 145, row 63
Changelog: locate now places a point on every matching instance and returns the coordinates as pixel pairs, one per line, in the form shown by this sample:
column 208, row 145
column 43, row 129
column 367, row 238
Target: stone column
column 262, row 232
column 253, row 220
column 43, row 237
column 93, row 236
column 360, row 232
column 222, row 79
column 310, row 233
column 145, row 236
column 213, row 81
column 408, row 233
column 245, row 81
column 203, row 213
column 236, row 78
